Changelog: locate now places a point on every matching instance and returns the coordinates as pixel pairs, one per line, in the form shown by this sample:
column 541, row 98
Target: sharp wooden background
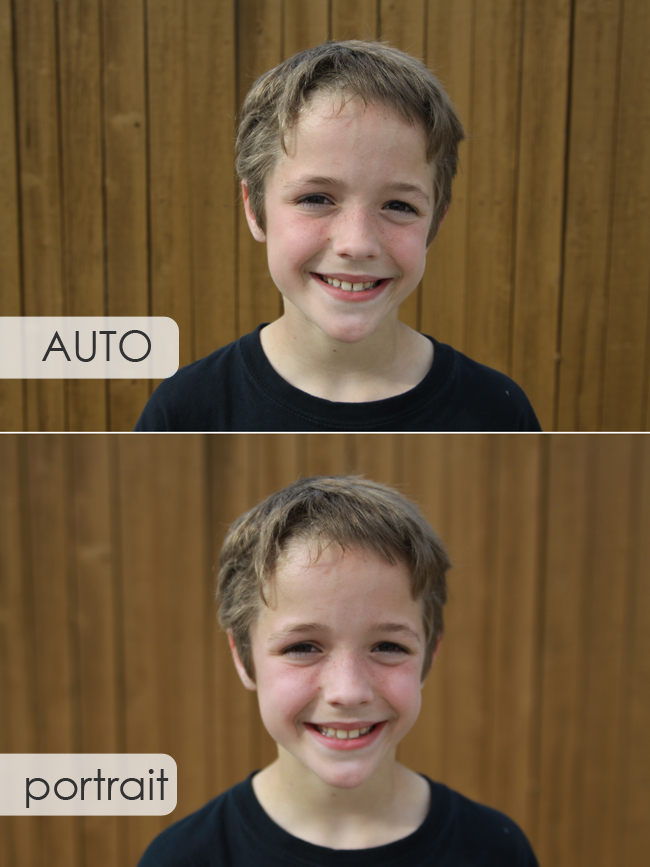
column 118, row 193
column 539, row 703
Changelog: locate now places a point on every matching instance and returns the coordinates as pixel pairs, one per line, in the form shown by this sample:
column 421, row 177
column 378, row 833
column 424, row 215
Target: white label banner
column 87, row 784
column 88, row 347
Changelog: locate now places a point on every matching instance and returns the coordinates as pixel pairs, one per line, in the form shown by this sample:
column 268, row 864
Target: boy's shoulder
column 195, row 840
column 484, row 399
column 194, row 399
column 234, row 829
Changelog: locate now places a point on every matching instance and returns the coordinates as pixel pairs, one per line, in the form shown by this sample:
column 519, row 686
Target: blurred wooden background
column 118, row 192
column 539, row 703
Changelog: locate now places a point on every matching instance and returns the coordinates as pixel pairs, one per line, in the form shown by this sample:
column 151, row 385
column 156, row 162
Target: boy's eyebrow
column 302, row 628
column 396, row 627
column 324, row 181
column 298, row 628
column 407, row 188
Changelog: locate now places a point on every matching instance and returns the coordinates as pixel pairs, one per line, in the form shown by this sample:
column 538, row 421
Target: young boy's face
column 351, row 204
column 338, row 661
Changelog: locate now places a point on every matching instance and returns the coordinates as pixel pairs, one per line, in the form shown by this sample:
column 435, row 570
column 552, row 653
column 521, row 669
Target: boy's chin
column 345, row 777
column 350, row 333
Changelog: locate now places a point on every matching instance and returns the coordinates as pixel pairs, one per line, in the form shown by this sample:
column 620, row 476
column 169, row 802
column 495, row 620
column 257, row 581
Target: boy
column 332, row 593
column 346, row 154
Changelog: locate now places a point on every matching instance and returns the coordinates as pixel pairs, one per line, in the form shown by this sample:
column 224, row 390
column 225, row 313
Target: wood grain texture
column 40, row 192
column 11, row 392
column 305, row 25
column 95, row 619
column 169, row 158
column 588, row 232
column 355, row 19
column 540, row 197
column 625, row 398
column 79, row 72
column 125, row 128
column 19, row 726
column 214, row 192
column 492, row 169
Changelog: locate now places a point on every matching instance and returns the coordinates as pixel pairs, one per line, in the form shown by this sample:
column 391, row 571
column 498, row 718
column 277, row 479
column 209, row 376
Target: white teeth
column 343, row 734
column 348, row 287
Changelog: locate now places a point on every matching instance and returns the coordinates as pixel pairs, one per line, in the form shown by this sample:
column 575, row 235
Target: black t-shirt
column 234, row 831
column 237, row 389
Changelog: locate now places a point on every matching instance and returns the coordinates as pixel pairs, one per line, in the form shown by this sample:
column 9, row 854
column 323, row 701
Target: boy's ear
column 241, row 671
column 257, row 233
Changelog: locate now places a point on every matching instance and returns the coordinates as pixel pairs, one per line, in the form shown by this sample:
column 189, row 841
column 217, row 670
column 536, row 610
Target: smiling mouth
column 349, row 287
column 344, row 734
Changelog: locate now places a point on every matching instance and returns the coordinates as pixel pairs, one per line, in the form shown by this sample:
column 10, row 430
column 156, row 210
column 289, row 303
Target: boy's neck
column 389, row 806
column 391, row 361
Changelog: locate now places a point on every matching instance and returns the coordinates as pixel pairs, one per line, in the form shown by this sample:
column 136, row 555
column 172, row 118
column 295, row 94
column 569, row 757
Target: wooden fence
column 539, row 703
column 118, row 195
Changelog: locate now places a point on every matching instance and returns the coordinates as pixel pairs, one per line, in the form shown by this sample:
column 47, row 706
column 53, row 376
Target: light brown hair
column 347, row 510
column 374, row 72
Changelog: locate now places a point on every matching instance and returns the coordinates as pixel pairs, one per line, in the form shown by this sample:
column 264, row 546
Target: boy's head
column 372, row 72
column 351, row 513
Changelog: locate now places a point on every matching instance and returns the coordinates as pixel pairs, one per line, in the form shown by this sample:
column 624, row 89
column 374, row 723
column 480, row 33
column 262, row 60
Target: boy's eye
column 305, row 648
column 314, row 200
column 400, row 207
column 391, row 647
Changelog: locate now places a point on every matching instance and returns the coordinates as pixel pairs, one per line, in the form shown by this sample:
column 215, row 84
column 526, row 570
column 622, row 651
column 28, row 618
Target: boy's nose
column 346, row 683
column 356, row 235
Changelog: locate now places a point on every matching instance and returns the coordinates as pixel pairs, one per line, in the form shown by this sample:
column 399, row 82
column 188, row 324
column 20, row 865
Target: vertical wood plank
column 355, row 19
column 11, row 391
column 165, row 597
column 19, row 726
column 125, row 128
column 169, row 155
column 213, row 193
column 259, row 48
column 492, row 167
column 634, row 769
column 606, row 661
column 588, row 233
column 572, row 492
column 625, row 392
column 540, row 201
column 40, row 191
column 304, row 25
column 328, row 454
column 48, row 501
column 514, row 627
column 449, row 45
column 95, row 615
column 82, row 193
column 379, row 456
